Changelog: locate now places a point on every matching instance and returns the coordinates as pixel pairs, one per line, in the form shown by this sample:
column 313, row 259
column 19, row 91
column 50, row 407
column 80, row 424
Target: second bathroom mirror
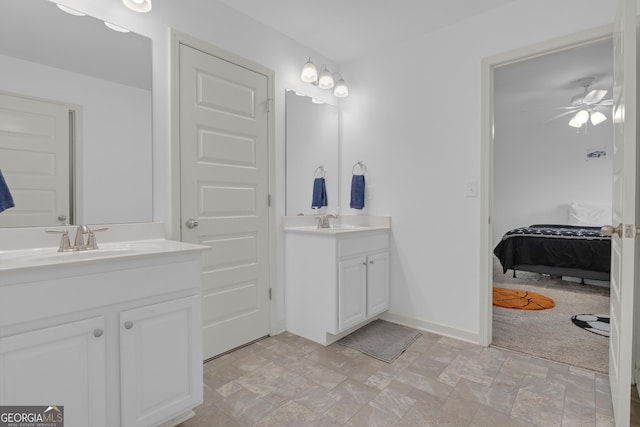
column 312, row 141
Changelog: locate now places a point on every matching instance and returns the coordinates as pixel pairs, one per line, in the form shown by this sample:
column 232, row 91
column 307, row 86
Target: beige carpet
column 550, row 334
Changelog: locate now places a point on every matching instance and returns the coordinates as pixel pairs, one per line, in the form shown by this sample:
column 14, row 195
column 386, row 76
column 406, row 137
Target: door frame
column 178, row 38
column 489, row 64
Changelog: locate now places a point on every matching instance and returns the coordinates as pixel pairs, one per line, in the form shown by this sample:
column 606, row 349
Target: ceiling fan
column 584, row 107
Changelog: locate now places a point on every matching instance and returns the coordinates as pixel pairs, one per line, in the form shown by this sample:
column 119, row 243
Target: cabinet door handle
column 371, row 262
column 364, row 263
column 128, row 324
column 98, row 332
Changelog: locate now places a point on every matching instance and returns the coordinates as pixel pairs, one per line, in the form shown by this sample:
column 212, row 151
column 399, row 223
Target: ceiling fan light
column 574, row 123
column 597, row 117
column 325, row 80
column 142, row 6
column 581, row 117
column 309, row 72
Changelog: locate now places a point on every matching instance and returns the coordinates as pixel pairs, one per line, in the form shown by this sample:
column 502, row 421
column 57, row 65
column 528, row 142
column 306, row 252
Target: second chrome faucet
column 79, row 243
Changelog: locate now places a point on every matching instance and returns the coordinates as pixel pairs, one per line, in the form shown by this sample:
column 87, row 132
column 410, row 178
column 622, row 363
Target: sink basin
column 338, row 228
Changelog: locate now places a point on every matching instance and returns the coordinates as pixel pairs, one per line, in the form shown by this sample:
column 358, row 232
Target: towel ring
column 363, row 168
column 319, row 170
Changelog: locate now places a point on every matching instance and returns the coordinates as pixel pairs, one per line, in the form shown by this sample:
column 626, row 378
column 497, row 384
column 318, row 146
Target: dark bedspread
column 562, row 246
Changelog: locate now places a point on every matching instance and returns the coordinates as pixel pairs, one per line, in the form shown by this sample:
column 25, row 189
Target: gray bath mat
column 383, row 340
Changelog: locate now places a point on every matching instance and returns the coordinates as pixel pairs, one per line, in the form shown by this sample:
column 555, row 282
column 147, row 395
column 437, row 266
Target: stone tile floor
column 286, row 380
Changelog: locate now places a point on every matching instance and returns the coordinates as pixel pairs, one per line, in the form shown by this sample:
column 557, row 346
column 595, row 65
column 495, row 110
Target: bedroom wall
column 540, row 168
column 413, row 115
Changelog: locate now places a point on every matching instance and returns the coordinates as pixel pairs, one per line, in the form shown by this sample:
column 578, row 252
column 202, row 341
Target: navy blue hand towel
column 319, row 198
column 357, row 192
column 6, row 201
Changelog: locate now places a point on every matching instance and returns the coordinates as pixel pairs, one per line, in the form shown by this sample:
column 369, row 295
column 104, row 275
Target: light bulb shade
column 115, row 27
column 341, row 89
column 309, row 72
column 574, row 123
column 141, row 6
column 70, row 11
column 597, row 117
column 325, row 81
column 581, row 117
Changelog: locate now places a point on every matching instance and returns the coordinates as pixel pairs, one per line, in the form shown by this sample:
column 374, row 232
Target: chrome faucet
column 79, row 242
column 323, row 220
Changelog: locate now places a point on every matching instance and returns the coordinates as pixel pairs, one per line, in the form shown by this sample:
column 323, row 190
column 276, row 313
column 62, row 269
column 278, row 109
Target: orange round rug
column 521, row 300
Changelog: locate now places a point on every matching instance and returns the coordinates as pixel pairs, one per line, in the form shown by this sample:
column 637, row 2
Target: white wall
column 540, row 168
column 116, row 137
column 413, row 115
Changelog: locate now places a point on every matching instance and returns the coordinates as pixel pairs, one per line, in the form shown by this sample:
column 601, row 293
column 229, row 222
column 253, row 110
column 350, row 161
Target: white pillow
column 589, row 215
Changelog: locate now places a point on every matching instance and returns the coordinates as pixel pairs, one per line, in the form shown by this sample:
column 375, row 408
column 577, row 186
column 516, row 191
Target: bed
column 558, row 250
column 577, row 250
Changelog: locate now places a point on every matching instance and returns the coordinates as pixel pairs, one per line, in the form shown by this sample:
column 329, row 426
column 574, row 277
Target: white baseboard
column 435, row 328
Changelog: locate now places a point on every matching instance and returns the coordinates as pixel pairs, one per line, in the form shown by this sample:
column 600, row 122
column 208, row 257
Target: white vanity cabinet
column 59, row 365
column 335, row 282
column 152, row 339
column 116, row 341
column 363, row 288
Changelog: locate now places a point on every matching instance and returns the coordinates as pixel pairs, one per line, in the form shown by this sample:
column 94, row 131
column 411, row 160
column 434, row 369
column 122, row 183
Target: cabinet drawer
column 369, row 242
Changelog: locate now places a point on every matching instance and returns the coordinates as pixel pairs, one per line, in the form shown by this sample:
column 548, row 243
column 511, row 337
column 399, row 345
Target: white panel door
column 34, row 159
column 224, row 191
column 64, row 365
column 623, row 243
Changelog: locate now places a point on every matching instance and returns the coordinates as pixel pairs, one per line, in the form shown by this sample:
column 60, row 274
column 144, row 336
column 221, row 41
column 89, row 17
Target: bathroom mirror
column 104, row 76
column 312, row 141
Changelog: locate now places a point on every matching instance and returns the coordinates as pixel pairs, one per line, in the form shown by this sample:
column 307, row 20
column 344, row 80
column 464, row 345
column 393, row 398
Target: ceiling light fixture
column 324, row 80
column 142, row 6
column 583, row 116
column 586, row 104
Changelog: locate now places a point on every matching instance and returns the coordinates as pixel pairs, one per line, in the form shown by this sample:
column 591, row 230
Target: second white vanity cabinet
column 336, row 281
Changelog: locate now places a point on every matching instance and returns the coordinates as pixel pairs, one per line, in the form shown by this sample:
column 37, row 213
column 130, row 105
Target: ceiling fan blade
column 594, row 96
column 605, row 103
column 560, row 115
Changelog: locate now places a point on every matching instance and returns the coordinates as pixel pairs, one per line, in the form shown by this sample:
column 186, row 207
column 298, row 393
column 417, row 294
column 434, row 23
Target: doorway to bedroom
column 552, row 186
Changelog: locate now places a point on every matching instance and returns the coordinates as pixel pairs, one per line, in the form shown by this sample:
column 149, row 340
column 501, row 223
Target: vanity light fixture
column 324, row 80
column 115, row 27
column 142, row 6
column 341, row 90
column 309, row 72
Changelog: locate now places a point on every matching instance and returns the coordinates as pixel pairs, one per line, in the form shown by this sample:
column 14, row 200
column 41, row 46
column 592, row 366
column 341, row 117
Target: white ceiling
column 534, row 90
column 346, row 30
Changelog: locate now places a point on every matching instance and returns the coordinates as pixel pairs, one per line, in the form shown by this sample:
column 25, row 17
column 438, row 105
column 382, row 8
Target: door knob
column 608, row 230
column 192, row 223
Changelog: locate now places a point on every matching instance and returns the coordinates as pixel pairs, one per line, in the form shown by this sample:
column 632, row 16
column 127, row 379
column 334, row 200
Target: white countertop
column 343, row 224
column 31, row 248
